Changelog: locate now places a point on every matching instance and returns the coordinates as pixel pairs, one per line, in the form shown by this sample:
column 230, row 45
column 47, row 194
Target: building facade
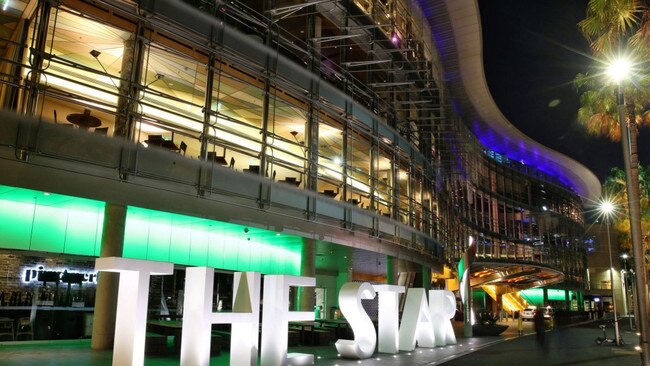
column 345, row 140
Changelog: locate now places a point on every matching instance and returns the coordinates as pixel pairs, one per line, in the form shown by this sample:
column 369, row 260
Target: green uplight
column 535, row 296
column 32, row 220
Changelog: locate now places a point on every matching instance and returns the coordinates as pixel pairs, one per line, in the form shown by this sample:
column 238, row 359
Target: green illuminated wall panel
column 556, row 295
column 155, row 235
column 83, row 232
column 535, row 296
column 180, row 251
column 199, row 249
column 160, row 241
column 15, row 224
column 136, row 233
column 49, row 232
column 217, row 247
column 38, row 221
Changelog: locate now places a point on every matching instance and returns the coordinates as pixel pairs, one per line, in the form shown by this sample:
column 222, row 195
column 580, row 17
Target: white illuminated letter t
column 132, row 298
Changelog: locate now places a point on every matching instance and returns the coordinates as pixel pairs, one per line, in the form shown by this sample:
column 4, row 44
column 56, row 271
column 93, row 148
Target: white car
column 528, row 313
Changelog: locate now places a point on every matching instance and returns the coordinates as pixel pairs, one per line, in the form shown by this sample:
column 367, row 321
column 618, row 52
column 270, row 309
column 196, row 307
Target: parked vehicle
column 528, row 313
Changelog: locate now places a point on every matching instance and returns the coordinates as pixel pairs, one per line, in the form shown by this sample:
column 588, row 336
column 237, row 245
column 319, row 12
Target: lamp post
column 625, row 283
column 606, row 208
column 619, row 70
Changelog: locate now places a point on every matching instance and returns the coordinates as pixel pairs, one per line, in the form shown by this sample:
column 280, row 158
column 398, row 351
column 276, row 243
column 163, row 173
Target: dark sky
column 532, row 52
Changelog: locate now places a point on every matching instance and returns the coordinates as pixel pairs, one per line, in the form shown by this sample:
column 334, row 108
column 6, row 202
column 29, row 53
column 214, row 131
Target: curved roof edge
column 456, row 26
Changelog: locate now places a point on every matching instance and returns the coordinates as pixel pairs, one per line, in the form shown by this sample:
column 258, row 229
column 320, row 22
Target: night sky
column 532, row 52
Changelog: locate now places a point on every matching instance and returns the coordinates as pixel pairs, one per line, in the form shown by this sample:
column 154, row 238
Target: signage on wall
column 59, row 275
column 425, row 323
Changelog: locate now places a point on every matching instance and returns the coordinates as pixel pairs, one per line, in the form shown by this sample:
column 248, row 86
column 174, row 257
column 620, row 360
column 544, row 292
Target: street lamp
column 626, row 283
column 619, row 70
column 606, row 208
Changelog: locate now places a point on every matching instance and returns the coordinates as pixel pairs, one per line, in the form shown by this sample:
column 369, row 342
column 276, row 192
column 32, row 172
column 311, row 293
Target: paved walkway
column 564, row 346
column 573, row 345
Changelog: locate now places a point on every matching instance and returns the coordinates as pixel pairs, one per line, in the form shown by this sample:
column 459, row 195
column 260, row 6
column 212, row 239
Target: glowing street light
column 606, row 208
column 619, row 70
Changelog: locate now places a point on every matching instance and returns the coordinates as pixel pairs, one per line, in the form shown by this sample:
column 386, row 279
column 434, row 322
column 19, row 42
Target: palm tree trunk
column 630, row 157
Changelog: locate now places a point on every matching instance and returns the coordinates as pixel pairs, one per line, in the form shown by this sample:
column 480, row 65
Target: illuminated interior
column 86, row 72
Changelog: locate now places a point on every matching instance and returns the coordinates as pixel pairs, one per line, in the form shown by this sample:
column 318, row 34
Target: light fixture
column 619, row 69
column 95, row 54
column 160, row 76
column 394, row 38
column 606, row 207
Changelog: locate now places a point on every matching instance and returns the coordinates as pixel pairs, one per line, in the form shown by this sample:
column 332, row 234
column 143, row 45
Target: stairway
column 511, row 301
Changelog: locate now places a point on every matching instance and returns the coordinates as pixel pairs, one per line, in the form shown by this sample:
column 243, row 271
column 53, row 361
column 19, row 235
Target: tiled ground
column 78, row 353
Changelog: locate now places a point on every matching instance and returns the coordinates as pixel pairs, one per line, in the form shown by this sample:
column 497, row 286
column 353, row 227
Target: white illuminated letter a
column 363, row 345
column 416, row 326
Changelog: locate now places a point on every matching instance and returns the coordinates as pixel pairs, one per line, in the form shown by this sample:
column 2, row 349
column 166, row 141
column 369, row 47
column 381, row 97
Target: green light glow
column 38, row 221
column 556, row 295
column 535, row 296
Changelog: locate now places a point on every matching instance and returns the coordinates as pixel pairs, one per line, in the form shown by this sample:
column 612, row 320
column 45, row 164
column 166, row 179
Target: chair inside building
column 6, row 329
column 25, row 329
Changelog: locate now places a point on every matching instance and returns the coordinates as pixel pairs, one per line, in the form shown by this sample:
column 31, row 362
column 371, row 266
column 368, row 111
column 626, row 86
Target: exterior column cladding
column 545, row 300
column 107, row 283
column 391, row 271
column 307, row 269
column 426, row 278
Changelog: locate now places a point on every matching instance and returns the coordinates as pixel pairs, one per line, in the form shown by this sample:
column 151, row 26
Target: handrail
column 111, row 161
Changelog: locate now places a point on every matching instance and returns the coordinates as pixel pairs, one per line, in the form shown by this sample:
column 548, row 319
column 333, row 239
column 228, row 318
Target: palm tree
column 612, row 27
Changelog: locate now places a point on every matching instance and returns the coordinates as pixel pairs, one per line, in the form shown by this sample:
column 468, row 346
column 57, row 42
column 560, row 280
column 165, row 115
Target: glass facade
column 347, row 103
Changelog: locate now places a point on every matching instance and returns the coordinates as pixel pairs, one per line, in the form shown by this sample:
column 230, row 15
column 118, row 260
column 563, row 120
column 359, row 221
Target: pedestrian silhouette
column 540, row 327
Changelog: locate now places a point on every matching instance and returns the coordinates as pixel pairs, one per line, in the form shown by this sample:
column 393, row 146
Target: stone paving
column 573, row 345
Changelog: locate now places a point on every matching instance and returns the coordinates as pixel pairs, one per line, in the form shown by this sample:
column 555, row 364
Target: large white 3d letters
column 388, row 319
column 276, row 317
column 442, row 304
column 422, row 324
column 416, row 322
column 198, row 317
column 363, row 345
column 245, row 335
column 132, row 298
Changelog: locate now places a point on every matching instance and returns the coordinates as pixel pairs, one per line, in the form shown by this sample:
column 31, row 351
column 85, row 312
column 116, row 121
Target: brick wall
column 12, row 272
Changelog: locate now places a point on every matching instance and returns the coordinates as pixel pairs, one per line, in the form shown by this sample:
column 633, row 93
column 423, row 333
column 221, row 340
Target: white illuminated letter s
column 363, row 345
